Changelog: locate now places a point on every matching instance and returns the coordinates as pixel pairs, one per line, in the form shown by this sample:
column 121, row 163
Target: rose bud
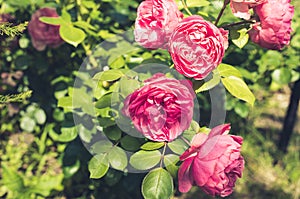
column 213, row 162
column 155, row 22
column 162, row 109
column 43, row 34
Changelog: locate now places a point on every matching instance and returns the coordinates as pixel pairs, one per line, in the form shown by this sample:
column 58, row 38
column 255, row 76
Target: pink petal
column 220, row 130
column 185, row 180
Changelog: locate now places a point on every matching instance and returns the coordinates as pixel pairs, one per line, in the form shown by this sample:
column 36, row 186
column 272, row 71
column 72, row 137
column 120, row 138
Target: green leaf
column 117, row 158
column 239, row 89
column 130, row 143
column 65, row 102
column 113, row 132
column 65, row 16
column 282, row 76
column 243, row 38
column 128, row 86
column 109, row 75
column 210, row 83
column 15, row 98
column 149, row 146
column 241, row 109
column 116, row 63
column 178, row 146
column 102, row 146
column 226, row 70
column 84, row 25
column 98, row 166
column 157, row 184
column 67, row 134
column 11, row 179
column 143, row 160
column 104, row 101
column 170, row 161
column 52, row 20
column 193, row 3
column 70, row 170
column 71, row 35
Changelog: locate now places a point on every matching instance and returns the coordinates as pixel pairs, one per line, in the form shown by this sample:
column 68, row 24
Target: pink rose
column 43, row 34
column 162, row 109
column 240, row 8
column 213, row 162
column 273, row 30
column 156, row 20
column 197, row 47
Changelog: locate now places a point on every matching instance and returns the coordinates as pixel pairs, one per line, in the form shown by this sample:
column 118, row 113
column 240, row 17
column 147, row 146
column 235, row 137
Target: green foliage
column 157, row 184
column 10, row 30
column 21, row 97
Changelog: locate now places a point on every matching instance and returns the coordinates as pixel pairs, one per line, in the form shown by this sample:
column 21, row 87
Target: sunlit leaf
column 157, row 184
column 98, row 166
column 239, row 89
column 117, row 158
column 143, row 160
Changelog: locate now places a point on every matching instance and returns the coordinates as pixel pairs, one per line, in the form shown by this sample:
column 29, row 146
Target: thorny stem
column 238, row 23
column 222, row 11
column 163, row 154
column 186, row 8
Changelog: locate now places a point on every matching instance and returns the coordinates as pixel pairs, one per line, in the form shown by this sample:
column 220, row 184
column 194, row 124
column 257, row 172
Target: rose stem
column 185, row 140
column 186, row 8
column 222, row 11
column 163, row 153
column 237, row 23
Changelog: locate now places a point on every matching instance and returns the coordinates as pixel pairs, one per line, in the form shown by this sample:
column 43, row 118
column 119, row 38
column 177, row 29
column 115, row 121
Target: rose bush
column 162, row 109
column 213, row 162
column 43, row 34
column 240, row 8
column 273, row 27
column 197, row 47
column 156, row 20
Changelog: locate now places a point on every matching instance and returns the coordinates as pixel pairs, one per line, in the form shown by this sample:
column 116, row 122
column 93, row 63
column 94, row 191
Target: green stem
column 163, row 154
column 185, row 140
column 186, row 7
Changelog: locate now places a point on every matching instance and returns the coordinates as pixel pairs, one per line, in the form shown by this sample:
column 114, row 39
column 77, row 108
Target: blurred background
column 42, row 155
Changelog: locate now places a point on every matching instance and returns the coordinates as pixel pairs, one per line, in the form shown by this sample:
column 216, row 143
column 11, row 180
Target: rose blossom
column 162, row 109
column 43, row 34
column 273, row 31
column 240, row 8
column 156, row 20
column 197, row 47
column 213, row 162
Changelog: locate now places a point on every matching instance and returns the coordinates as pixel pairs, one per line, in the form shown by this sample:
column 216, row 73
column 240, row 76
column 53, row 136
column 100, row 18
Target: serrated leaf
column 117, row 158
column 71, row 35
column 178, row 146
column 239, row 89
column 109, row 75
column 157, row 184
column 210, row 83
column 243, row 38
column 143, row 160
column 226, row 70
column 98, row 166
column 149, row 146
